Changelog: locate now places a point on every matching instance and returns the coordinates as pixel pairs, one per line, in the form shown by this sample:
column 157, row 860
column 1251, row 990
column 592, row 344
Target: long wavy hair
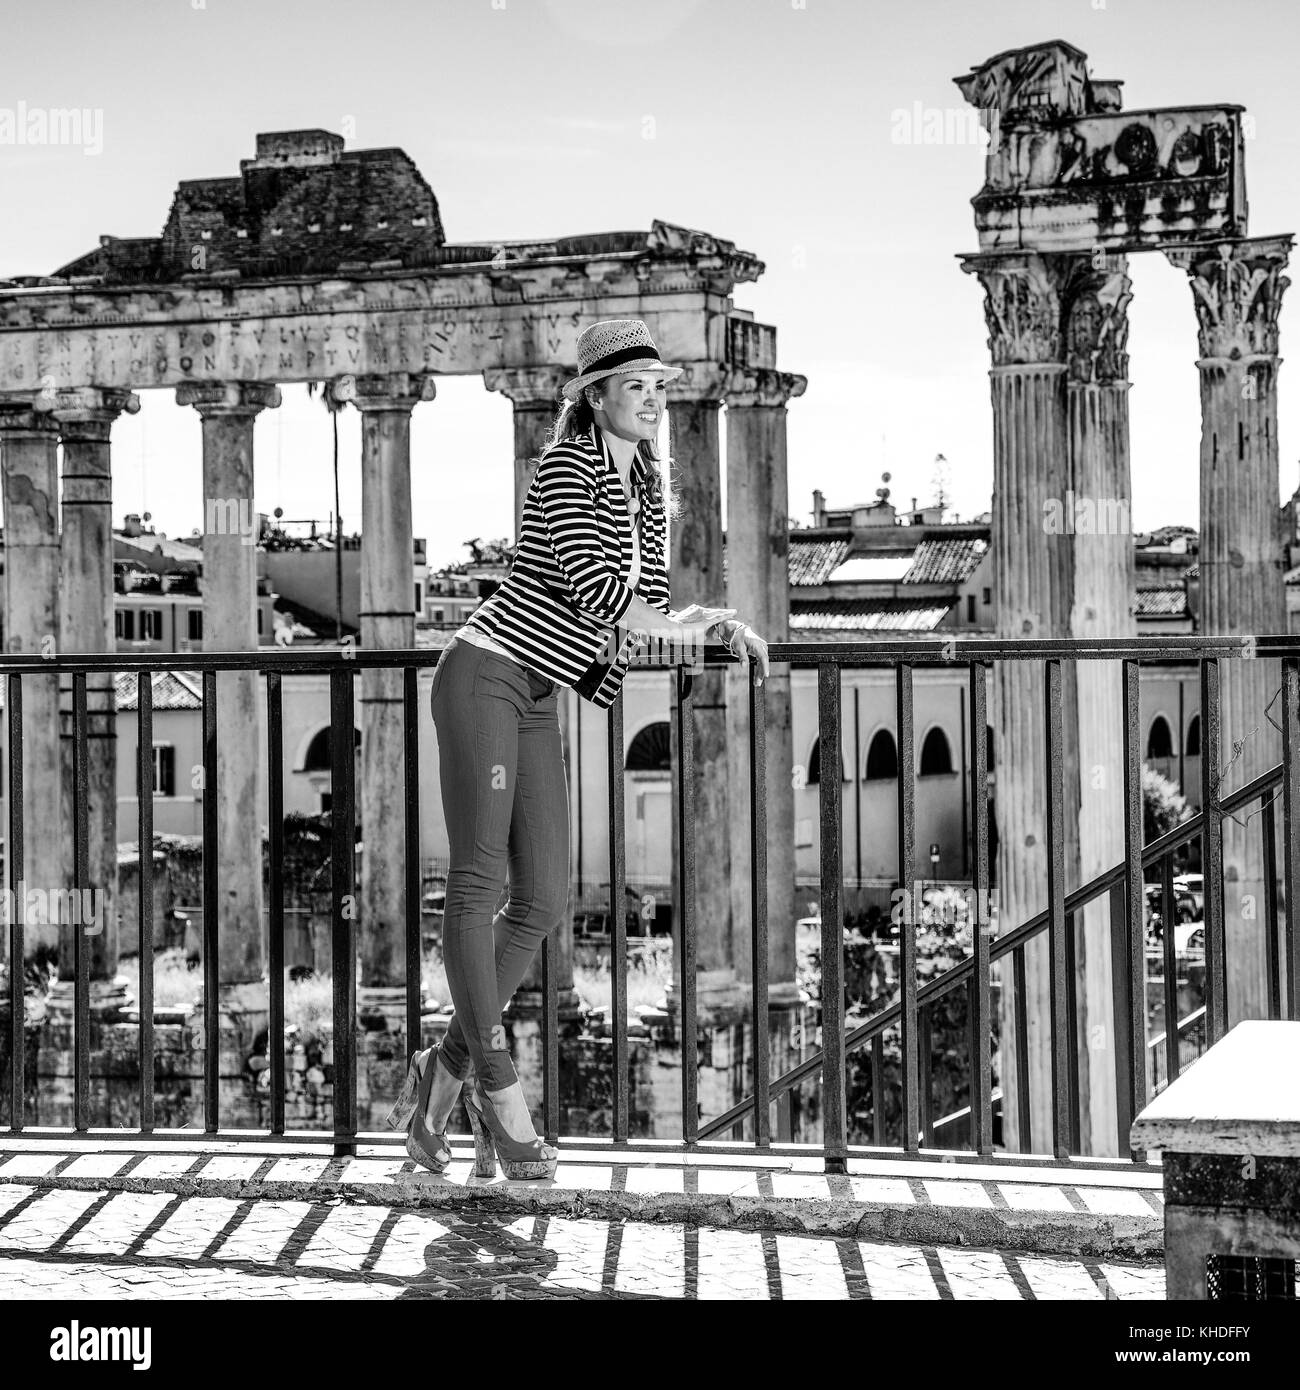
column 575, row 418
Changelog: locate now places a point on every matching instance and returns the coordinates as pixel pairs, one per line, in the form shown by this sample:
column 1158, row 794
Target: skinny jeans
column 505, row 798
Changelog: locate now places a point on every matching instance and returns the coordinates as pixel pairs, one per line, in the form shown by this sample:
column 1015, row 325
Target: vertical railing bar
column 830, row 804
column 1291, row 834
column 411, row 826
column 903, row 713
column 1169, row 947
column 1060, row 982
column 618, row 916
column 343, row 875
column 1024, row 1113
column 1072, row 1030
column 1216, row 985
column 878, row 1090
column 550, row 1042
column 14, row 867
column 211, row 909
column 275, row 890
column 925, row 1070
column 686, row 904
column 144, row 831
column 80, row 874
column 981, row 1009
column 1128, row 925
column 1268, row 830
column 758, row 902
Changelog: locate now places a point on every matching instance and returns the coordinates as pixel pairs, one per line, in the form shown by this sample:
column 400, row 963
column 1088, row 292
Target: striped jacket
column 566, row 587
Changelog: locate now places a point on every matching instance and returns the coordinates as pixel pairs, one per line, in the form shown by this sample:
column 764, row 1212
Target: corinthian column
column 758, row 587
column 227, row 411
column 1237, row 289
column 534, row 392
column 1032, row 567
column 1099, row 516
column 28, row 449
column 387, row 620
column 85, row 419
column 696, row 577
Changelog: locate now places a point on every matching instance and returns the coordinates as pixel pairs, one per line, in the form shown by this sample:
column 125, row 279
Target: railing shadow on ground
column 1142, row 1062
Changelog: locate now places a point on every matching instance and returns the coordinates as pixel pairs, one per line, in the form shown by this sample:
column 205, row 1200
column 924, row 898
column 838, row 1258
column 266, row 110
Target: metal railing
column 912, row 1012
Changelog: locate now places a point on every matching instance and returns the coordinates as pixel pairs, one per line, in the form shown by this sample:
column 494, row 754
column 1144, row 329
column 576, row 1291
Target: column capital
column 218, row 398
column 1096, row 326
column 19, row 416
column 1024, row 298
column 88, row 412
column 701, row 383
column 398, row 391
column 762, row 386
column 1237, row 288
column 528, row 386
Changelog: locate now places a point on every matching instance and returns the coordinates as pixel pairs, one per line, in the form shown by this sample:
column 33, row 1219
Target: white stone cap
column 1241, row 1097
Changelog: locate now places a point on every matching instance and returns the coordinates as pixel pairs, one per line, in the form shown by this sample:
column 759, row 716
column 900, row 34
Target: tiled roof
column 869, row 615
column 171, row 690
column 812, row 559
column 946, row 560
column 1162, row 603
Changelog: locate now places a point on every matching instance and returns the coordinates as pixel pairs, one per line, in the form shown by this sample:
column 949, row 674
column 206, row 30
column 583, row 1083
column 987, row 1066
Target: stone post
column 227, row 411
column 387, row 617
column 1099, row 515
column 28, row 460
column 758, row 587
column 535, row 393
column 85, row 418
column 696, row 576
column 1034, row 598
column 1237, row 289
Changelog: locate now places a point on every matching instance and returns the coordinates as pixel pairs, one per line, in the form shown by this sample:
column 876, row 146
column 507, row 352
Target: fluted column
column 85, row 418
column 28, row 461
column 227, row 411
column 1034, row 596
column 695, row 568
column 1099, row 516
column 534, row 392
column 758, row 587
column 1237, row 289
column 387, row 618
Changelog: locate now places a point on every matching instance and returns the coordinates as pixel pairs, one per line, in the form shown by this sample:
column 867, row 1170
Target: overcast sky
column 773, row 126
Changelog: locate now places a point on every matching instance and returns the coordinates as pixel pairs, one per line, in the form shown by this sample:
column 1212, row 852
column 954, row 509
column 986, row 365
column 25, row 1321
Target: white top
column 481, row 639
column 1239, row 1098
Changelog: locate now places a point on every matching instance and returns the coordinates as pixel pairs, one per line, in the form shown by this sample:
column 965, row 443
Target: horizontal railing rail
column 913, row 1012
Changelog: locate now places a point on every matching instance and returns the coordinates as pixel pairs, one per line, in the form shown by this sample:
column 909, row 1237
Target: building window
column 650, row 749
column 437, row 615
column 988, row 745
column 195, row 619
column 970, row 608
column 318, row 752
column 260, row 617
column 988, row 597
column 419, row 599
column 164, row 771
column 1160, row 743
column 1194, row 737
column 936, row 756
column 815, row 764
column 151, row 624
column 882, row 756
column 124, row 624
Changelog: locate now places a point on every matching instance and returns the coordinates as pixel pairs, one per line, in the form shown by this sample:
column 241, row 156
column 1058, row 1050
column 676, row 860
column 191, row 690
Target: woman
column 589, row 575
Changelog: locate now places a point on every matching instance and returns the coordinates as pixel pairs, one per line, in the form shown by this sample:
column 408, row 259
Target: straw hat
column 614, row 347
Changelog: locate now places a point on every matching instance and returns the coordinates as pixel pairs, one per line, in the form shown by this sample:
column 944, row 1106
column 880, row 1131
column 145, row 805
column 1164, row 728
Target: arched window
column 936, row 756
column 882, row 756
column 1160, row 743
column 815, row 764
column 318, row 750
column 650, row 750
column 1194, row 736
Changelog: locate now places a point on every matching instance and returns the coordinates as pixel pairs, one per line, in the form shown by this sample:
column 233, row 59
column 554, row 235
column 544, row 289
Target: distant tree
column 1163, row 805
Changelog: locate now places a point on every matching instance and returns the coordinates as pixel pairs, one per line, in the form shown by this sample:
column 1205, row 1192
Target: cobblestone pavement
column 71, row 1244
